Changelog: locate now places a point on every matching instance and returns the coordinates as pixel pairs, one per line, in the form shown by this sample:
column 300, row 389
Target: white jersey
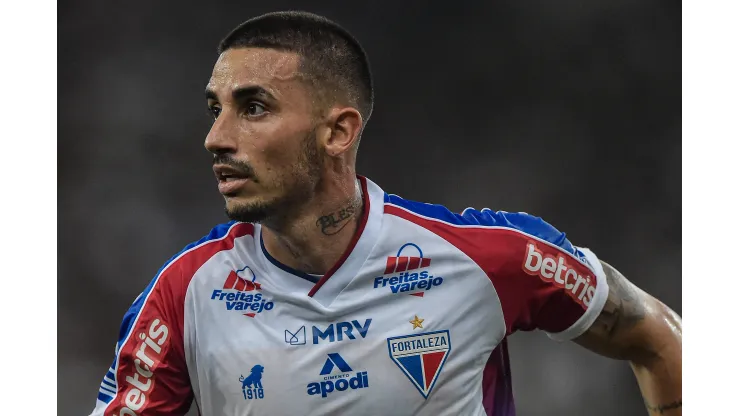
column 412, row 320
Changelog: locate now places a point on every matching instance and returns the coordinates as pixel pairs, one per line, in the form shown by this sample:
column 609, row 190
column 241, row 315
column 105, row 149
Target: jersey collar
column 348, row 266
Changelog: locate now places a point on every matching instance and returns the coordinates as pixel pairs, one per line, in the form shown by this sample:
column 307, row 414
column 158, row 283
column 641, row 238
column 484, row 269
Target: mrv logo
column 341, row 380
column 341, row 331
column 406, row 278
column 237, row 293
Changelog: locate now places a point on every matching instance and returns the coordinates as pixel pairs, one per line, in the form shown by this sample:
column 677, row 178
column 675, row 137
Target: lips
column 225, row 172
column 229, row 178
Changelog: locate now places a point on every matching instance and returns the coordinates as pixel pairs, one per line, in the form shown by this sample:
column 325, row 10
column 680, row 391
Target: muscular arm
column 636, row 327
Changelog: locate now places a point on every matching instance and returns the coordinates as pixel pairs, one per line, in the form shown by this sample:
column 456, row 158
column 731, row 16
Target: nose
column 220, row 138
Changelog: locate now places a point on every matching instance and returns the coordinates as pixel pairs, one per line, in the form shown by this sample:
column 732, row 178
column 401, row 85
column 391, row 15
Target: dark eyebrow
column 243, row 93
column 210, row 95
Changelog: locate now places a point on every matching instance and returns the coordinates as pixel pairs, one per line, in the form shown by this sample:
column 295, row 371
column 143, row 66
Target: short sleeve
column 542, row 280
column 551, row 290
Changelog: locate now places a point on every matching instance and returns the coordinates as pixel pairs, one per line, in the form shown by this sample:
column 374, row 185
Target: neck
column 315, row 238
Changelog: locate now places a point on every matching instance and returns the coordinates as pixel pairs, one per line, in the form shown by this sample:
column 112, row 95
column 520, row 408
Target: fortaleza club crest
column 406, row 274
column 421, row 357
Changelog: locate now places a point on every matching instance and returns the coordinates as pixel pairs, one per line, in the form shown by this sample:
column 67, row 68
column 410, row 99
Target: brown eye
column 214, row 111
column 255, row 109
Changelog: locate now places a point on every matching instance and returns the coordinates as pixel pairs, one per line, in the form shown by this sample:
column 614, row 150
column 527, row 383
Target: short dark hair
column 331, row 57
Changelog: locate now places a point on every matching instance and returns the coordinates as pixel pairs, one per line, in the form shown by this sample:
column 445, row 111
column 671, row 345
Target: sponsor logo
column 340, row 331
column 559, row 271
column 296, row 338
column 337, row 381
column 421, row 357
column 252, row 384
column 147, row 357
column 238, row 293
column 406, row 273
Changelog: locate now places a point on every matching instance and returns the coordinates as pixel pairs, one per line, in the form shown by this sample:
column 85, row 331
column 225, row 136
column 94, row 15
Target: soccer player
column 325, row 295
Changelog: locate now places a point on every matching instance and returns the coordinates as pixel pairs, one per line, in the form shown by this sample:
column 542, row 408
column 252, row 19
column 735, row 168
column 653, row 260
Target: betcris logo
column 406, row 274
column 148, row 354
column 337, row 376
column 237, row 294
column 341, row 331
column 559, row 271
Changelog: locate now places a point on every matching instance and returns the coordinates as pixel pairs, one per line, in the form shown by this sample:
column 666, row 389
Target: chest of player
column 394, row 343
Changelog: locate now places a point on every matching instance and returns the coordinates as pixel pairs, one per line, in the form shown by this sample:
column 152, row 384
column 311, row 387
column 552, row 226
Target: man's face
column 263, row 137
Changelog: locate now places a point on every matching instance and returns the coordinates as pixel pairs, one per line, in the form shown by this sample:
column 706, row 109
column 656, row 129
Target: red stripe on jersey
column 528, row 301
column 151, row 373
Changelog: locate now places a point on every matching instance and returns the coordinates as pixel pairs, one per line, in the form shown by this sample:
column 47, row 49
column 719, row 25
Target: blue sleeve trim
column 520, row 221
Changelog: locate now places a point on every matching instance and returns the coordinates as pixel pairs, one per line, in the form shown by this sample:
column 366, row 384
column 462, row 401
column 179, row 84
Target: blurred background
column 569, row 110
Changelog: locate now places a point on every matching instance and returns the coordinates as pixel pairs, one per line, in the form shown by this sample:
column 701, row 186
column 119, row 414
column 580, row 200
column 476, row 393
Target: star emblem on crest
column 416, row 322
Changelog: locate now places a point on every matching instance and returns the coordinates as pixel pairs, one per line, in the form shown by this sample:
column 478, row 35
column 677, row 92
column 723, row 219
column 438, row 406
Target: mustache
column 242, row 167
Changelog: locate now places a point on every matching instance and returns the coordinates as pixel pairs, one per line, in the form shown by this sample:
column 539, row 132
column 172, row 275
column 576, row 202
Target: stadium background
column 568, row 110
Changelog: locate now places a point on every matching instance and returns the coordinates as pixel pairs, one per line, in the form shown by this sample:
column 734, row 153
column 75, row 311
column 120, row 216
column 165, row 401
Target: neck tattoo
column 335, row 222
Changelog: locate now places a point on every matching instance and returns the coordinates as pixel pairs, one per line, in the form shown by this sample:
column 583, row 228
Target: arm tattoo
column 334, row 222
column 623, row 308
column 628, row 329
column 660, row 409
